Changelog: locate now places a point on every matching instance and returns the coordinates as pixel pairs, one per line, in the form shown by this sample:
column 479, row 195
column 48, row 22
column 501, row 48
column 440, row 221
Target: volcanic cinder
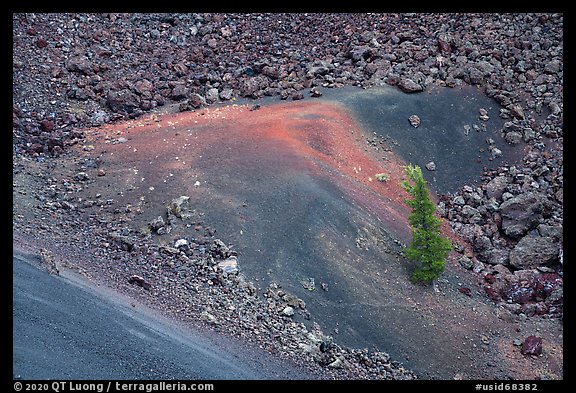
column 293, row 187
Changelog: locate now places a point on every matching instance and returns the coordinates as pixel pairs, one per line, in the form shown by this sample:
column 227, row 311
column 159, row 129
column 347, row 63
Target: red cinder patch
column 320, row 139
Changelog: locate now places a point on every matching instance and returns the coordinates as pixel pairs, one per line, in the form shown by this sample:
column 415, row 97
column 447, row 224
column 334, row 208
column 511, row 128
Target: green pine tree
column 428, row 246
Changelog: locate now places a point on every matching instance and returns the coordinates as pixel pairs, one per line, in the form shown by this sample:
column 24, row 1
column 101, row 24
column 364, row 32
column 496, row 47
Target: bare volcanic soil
column 291, row 188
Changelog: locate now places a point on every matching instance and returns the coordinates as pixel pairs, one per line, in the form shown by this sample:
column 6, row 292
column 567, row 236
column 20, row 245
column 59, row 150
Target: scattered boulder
column 298, row 95
column 519, row 294
column 414, row 121
column 47, row 125
column 466, row 291
column 482, row 245
column 226, row 94
column 250, row 87
column 490, row 254
column 337, row 363
column 294, row 301
column 156, row 224
column 409, row 86
column 271, row 72
column 169, row 250
column 459, row 200
column 467, row 210
column 530, row 291
column 444, row 44
column 498, row 256
column 513, row 137
column 496, row 152
column 178, row 207
column 140, row 281
column 475, row 75
column 492, row 293
column 532, row 345
column 182, row 244
column 41, row 43
column 359, row 52
column 143, row 87
column 315, row 92
column 553, row 67
column 554, row 231
column 229, row 265
column 180, row 69
column 219, row 249
column 288, row 311
column 210, row 318
column 49, row 262
column 517, row 111
column 81, row 176
column 125, row 242
column 318, row 68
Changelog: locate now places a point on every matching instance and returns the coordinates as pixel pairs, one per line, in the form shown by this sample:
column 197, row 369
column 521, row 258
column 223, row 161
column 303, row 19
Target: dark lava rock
column 80, row 65
column 179, row 92
column 144, row 87
column 123, row 101
column 444, row 45
column 534, row 251
column 496, row 187
column 197, row 101
column 521, row 213
column 219, row 249
column 47, row 125
column 297, row 96
column 140, row 281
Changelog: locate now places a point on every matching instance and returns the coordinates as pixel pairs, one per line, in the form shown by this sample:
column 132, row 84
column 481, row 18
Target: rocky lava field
column 83, row 84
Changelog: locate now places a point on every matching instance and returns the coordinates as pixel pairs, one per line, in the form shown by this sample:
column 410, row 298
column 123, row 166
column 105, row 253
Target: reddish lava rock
column 490, row 278
column 545, row 284
column 492, row 294
column 41, row 43
column 47, row 125
column 466, row 291
column 532, row 346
